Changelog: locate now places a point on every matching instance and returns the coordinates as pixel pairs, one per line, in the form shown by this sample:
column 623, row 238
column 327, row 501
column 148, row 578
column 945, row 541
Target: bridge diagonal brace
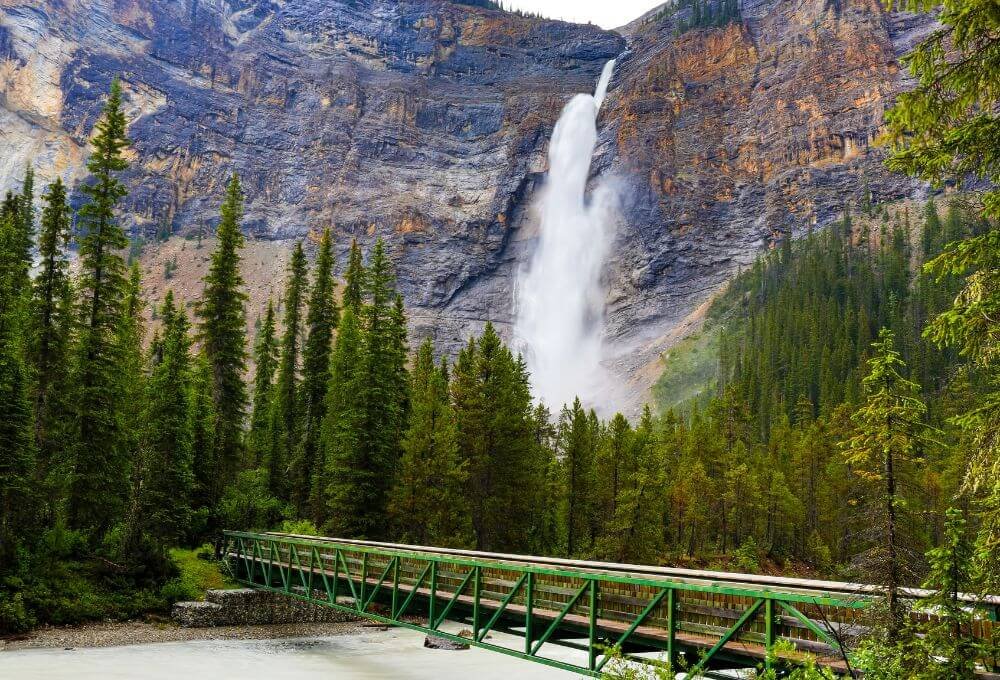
column 562, row 615
column 503, row 605
column 453, row 600
column 413, row 591
column 347, row 574
column 274, row 557
column 378, row 585
column 810, row 624
column 635, row 624
column 729, row 635
column 293, row 555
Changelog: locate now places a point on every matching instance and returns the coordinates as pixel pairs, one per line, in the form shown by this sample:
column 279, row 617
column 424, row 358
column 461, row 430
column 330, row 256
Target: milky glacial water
column 559, row 295
column 395, row 653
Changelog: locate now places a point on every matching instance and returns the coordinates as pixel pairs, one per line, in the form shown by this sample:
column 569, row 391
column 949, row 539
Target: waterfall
column 559, row 299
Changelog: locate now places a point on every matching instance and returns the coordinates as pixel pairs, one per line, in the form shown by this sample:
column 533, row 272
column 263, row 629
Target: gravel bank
column 143, row 632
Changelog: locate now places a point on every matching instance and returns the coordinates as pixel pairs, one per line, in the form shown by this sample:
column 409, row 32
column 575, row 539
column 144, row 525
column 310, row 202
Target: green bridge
column 700, row 621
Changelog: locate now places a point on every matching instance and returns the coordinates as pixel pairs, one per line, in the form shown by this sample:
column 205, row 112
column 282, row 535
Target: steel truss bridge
column 697, row 621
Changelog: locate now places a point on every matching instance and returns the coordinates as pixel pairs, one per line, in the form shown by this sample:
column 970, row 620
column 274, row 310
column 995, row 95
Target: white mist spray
column 559, row 300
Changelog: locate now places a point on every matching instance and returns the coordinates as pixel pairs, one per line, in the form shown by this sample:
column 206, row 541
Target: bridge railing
column 695, row 624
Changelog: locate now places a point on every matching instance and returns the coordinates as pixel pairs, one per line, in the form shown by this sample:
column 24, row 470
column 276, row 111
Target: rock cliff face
column 732, row 137
column 426, row 122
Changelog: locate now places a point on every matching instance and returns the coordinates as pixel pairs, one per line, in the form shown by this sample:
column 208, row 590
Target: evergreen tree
column 168, row 495
column 52, row 329
column 884, row 447
column 346, row 482
column 17, row 450
column 496, row 430
column 286, row 403
column 222, row 331
column 101, row 472
column 428, row 505
column 266, row 360
column 321, row 321
column 576, row 447
column 129, row 526
column 202, row 417
column 634, row 532
column 354, row 280
column 384, row 367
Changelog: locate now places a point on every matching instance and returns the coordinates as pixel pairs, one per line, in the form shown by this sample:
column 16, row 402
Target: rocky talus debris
column 249, row 607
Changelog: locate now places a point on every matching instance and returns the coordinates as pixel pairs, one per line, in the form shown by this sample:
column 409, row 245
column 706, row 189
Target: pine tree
column 286, row 391
column 17, row 450
column 883, row 448
column 634, row 532
column 131, row 372
column 101, row 472
column 492, row 403
column 170, row 482
column 384, row 366
column 52, row 329
column 202, row 418
column 354, row 280
column 576, row 447
column 321, row 321
column 427, row 505
column 222, row 331
column 266, row 360
column 346, row 482
column 953, row 649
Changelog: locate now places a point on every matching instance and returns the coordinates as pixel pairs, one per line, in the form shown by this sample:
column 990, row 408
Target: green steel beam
column 451, row 603
column 562, row 615
column 503, row 605
column 638, row 622
column 729, row 635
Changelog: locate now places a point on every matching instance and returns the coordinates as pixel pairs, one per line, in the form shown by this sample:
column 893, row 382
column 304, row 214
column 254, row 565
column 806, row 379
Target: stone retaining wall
column 249, row 607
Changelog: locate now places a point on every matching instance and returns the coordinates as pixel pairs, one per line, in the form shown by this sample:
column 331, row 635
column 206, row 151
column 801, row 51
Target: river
column 394, row 653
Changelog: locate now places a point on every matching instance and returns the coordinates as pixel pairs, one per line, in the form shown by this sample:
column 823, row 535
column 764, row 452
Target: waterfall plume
column 559, row 298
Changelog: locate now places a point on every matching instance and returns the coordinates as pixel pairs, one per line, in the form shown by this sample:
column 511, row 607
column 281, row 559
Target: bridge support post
column 768, row 634
column 671, row 628
column 434, row 586
column 476, row 590
column 529, row 605
column 592, row 647
column 395, row 588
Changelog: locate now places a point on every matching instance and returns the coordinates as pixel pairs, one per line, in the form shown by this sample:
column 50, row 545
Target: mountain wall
column 426, row 122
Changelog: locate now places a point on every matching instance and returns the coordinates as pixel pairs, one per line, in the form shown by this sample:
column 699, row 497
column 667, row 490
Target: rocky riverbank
column 115, row 634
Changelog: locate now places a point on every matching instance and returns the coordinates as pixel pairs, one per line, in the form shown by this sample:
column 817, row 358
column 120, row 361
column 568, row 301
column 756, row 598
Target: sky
column 605, row 13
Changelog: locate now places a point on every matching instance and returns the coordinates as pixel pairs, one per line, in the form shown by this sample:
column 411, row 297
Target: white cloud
column 605, row 13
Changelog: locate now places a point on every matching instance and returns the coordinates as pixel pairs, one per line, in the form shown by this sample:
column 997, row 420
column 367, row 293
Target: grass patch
column 198, row 572
column 689, row 371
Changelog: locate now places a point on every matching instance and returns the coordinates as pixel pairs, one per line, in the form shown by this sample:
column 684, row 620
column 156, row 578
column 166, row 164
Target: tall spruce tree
column 496, row 433
column 100, row 479
column 222, row 331
column 428, row 504
column 167, row 507
column 17, row 442
column 346, row 482
column 259, row 440
column 577, row 451
column 354, row 279
column 203, row 449
column 321, row 321
column 384, row 366
column 52, row 321
column 881, row 453
column 286, row 390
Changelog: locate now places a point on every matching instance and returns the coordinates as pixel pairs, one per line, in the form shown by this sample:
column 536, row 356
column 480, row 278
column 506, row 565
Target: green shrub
column 299, row 526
